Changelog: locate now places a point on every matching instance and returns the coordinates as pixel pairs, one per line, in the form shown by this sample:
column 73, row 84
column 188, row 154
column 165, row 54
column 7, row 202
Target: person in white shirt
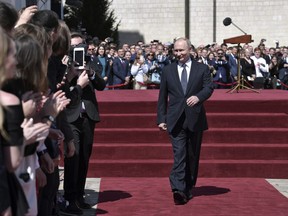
column 139, row 70
column 261, row 66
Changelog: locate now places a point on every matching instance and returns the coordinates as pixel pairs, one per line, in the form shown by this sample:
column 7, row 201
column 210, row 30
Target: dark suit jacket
column 120, row 71
column 199, row 84
column 87, row 95
column 233, row 65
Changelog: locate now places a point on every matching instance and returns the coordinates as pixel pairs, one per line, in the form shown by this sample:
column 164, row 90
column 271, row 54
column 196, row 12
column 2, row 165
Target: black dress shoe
column 71, row 209
column 82, row 204
column 189, row 195
column 179, row 198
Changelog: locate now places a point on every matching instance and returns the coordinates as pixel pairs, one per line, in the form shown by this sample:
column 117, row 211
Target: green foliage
column 72, row 12
column 93, row 15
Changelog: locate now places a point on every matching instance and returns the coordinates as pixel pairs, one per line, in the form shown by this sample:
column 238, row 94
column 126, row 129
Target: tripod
column 240, row 79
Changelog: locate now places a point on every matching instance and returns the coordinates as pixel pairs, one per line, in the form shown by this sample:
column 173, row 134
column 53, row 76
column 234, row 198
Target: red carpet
column 247, row 136
column 213, row 197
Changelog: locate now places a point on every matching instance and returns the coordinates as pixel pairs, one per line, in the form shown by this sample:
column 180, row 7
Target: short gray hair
column 184, row 39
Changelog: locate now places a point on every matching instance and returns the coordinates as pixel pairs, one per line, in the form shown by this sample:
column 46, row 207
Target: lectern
column 238, row 40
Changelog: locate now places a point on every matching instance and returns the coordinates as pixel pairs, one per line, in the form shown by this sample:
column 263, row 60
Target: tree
column 72, row 12
column 99, row 20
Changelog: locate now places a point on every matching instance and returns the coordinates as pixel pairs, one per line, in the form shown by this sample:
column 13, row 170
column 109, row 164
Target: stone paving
column 92, row 193
column 280, row 184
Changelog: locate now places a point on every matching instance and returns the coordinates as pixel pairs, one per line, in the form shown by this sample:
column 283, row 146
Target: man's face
column 75, row 41
column 204, row 53
column 181, row 51
column 125, row 47
column 121, row 53
column 91, row 49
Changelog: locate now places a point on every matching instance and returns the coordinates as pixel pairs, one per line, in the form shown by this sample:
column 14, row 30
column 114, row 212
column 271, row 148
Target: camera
column 109, row 40
column 277, row 43
column 25, row 176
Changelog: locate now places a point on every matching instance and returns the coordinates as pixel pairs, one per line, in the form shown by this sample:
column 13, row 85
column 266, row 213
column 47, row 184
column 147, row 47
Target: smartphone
column 79, row 57
column 31, row 2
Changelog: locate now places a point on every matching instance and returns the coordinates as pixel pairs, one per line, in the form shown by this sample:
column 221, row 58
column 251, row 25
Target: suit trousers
column 186, row 149
column 47, row 194
column 76, row 167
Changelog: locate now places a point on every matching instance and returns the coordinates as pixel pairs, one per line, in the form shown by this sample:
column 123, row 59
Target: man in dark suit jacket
column 181, row 112
column 232, row 62
column 82, row 114
column 121, row 73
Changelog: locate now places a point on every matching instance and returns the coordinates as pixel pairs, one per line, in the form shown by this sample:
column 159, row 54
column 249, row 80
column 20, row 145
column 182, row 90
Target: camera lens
column 25, row 177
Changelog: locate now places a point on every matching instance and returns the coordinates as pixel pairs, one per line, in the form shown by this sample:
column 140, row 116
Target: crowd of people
column 139, row 65
column 46, row 100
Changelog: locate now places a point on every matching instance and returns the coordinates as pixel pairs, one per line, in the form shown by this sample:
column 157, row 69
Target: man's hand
column 127, row 80
column 193, row 100
column 47, row 164
column 70, row 149
column 41, row 177
column 162, row 126
column 83, row 79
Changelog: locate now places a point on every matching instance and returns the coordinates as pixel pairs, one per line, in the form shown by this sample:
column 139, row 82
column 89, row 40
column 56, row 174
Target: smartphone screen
column 78, row 57
column 31, row 2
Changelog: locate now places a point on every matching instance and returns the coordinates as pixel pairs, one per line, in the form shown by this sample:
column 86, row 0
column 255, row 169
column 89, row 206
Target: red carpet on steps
column 213, row 197
column 247, row 136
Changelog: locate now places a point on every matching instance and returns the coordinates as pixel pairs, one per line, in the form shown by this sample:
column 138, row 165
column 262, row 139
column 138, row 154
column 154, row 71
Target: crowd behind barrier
column 260, row 67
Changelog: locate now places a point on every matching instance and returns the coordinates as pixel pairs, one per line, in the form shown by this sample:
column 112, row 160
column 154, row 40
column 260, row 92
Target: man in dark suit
column 82, row 114
column 121, row 73
column 232, row 62
column 185, row 85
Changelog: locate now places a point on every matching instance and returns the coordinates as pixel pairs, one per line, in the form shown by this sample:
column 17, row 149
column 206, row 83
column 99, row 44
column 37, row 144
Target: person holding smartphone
column 82, row 115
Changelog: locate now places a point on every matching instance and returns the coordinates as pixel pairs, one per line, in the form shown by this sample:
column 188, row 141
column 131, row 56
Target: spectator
column 139, row 70
column 261, row 68
column 105, row 62
column 221, row 76
column 121, row 73
column 248, row 67
column 232, row 62
column 82, row 115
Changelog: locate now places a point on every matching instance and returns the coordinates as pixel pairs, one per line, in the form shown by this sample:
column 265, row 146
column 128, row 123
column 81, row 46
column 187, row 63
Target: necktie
column 184, row 78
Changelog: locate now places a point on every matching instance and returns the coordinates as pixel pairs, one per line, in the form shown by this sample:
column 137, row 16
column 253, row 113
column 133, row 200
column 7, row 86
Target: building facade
column 200, row 20
column 165, row 20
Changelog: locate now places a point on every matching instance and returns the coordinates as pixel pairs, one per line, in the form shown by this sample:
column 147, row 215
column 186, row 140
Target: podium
column 240, row 80
column 239, row 39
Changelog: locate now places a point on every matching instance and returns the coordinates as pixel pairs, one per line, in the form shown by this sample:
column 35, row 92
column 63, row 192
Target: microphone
column 227, row 21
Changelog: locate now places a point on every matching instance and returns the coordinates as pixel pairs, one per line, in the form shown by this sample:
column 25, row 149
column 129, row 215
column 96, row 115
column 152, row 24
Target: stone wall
column 165, row 20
